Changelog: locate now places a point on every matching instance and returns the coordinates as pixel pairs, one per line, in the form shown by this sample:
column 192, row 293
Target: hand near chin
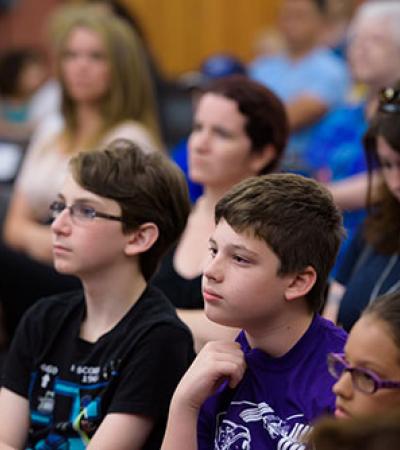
column 216, row 362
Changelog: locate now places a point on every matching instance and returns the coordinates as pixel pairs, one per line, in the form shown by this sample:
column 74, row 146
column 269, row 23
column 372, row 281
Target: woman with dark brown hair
column 372, row 264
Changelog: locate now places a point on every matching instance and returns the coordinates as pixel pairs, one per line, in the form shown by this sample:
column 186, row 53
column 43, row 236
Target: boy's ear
column 301, row 283
column 141, row 239
column 262, row 158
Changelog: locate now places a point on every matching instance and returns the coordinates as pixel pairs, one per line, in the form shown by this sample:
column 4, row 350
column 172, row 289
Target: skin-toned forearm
column 31, row 238
column 304, row 111
column 120, row 431
column 181, row 431
column 351, row 193
column 335, row 295
column 203, row 329
column 14, row 420
column 217, row 362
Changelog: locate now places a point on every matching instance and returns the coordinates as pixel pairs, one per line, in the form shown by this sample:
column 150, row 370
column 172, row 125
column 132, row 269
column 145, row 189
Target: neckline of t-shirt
column 291, row 358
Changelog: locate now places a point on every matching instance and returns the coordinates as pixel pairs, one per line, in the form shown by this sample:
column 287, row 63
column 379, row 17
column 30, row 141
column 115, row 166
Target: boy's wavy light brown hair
column 295, row 216
column 147, row 186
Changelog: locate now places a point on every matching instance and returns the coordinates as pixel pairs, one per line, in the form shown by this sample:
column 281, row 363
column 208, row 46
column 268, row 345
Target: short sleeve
column 149, row 378
column 19, row 363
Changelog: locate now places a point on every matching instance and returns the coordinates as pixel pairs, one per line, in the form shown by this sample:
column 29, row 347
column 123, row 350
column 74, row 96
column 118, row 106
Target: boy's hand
column 216, row 362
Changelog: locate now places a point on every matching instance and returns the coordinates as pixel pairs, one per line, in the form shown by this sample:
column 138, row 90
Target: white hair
column 378, row 11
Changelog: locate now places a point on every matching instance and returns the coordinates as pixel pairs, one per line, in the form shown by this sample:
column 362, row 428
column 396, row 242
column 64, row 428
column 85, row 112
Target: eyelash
column 213, row 251
column 240, row 259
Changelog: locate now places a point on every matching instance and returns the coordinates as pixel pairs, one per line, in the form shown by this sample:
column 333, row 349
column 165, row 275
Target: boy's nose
column 213, row 269
column 62, row 222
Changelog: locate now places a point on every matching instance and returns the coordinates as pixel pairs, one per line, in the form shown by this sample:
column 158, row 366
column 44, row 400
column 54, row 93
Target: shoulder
column 48, row 128
column 133, row 131
column 55, row 308
column 43, row 137
column 265, row 63
column 333, row 338
column 154, row 317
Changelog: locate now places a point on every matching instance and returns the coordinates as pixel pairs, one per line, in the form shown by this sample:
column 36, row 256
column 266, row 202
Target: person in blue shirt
column 309, row 78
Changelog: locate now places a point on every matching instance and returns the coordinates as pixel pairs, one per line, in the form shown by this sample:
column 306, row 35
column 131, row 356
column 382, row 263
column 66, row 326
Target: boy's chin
column 221, row 320
column 62, row 269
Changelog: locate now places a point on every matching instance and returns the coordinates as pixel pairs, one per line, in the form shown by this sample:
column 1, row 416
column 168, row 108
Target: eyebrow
column 235, row 247
column 369, row 365
column 81, row 200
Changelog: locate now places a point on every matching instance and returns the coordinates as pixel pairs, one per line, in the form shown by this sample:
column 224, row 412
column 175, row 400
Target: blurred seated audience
column 240, row 129
column 337, row 21
column 371, row 265
column 23, row 73
column 309, row 78
column 336, row 151
column 106, row 94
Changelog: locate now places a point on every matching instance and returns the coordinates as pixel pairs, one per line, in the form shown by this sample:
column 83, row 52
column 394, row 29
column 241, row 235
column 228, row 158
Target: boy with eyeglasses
column 275, row 240
column 96, row 368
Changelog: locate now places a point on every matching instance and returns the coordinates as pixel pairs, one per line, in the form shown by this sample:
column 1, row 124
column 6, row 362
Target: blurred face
column 219, row 148
column 370, row 345
column 84, row 247
column 390, row 166
column 85, row 67
column 373, row 54
column 241, row 287
column 32, row 77
column 300, row 22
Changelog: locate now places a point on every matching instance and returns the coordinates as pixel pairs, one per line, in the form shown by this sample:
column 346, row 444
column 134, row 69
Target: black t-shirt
column 183, row 292
column 72, row 384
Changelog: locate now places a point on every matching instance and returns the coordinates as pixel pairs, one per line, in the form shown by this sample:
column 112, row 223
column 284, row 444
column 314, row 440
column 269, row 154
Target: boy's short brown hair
column 297, row 219
column 147, row 186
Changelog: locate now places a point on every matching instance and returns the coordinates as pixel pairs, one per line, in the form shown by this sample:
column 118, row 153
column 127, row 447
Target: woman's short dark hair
column 266, row 118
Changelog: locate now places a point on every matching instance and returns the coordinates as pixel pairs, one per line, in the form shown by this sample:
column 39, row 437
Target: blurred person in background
column 27, row 95
column 309, row 78
column 371, row 265
column 106, row 94
column 336, row 152
column 216, row 66
column 22, row 72
column 335, row 32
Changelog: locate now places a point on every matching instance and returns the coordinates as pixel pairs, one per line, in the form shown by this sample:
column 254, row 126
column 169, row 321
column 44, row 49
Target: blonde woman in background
column 106, row 94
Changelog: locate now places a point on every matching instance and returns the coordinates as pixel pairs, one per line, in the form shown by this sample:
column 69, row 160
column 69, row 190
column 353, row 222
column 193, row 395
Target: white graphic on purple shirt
column 231, row 435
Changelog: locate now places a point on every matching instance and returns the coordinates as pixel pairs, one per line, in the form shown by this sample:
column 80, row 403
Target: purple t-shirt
column 277, row 399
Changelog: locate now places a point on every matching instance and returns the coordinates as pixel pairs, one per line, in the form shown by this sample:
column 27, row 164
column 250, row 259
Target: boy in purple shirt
column 275, row 241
